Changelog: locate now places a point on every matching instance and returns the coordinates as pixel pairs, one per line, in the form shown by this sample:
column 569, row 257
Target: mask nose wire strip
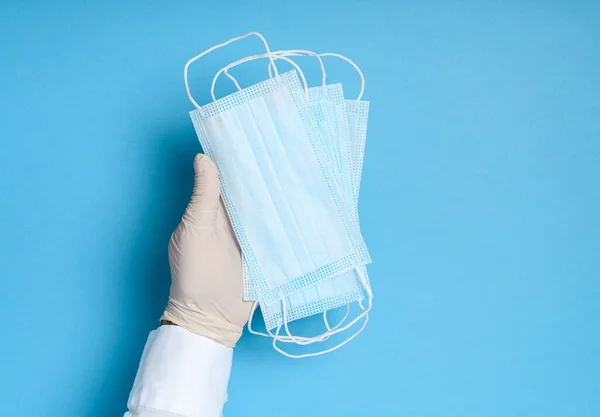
column 252, row 58
column 209, row 50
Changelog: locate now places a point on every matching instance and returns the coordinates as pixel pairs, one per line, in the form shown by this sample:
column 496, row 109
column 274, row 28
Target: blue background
column 479, row 202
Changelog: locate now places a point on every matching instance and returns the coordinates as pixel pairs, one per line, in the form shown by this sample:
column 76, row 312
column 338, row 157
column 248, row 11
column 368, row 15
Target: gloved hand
column 206, row 266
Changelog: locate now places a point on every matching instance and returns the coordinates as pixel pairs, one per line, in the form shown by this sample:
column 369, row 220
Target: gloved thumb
column 202, row 208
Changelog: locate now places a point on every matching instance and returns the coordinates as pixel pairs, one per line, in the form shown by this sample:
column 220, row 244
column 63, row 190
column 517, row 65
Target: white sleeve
column 181, row 374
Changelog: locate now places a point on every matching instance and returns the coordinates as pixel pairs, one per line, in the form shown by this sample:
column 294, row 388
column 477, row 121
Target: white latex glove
column 206, row 266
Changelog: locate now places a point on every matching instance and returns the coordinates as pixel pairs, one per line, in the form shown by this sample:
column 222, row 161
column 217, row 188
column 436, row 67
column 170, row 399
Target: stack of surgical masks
column 290, row 160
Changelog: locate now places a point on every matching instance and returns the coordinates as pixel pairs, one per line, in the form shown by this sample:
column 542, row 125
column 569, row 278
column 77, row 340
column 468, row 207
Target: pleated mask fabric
column 329, row 109
column 292, row 220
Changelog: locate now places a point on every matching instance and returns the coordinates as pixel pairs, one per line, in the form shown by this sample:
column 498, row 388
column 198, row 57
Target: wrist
column 203, row 324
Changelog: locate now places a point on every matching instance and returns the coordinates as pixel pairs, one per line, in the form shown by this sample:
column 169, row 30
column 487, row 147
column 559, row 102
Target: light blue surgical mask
column 357, row 111
column 356, row 115
column 290, row 216
column 328, row 107
column 351, row 146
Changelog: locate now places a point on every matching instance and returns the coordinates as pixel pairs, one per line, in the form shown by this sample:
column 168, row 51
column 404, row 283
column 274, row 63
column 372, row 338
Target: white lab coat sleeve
column 181, row 374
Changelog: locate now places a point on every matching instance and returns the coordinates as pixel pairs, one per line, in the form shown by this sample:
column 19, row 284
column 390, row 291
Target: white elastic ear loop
column 348, row 60
column 340, row 322
column 285, row 339
column 308, row 341
column 294, row 64
column 307, row 355
column 228, row 75
column 324, row 336
column 302, row 340
column 302, row 52
column 252, row 58
column 209, row 50
column 365, row 314
column 300, row 72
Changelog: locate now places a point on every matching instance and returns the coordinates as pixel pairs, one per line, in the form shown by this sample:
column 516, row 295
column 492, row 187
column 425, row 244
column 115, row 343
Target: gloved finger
column 205, row 196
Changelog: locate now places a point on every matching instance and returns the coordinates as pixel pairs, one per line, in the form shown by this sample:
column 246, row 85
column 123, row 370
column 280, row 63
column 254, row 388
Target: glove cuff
column 190, row 318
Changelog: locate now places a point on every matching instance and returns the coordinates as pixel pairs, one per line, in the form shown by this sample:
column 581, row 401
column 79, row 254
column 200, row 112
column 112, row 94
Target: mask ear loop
column 330, row 331
column 209, row 50
column 269, row 334
column 252, row 58
column 228, row 75
column 329, row 328
column 302, row 52
column 309, row 340
column 364, row 314
column 319, row 338
column 284, row 339
column 356, row 67
column 323, row 352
